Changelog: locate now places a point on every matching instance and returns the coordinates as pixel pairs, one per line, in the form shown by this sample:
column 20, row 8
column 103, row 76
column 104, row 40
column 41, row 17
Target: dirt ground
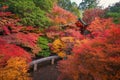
column 46, row 71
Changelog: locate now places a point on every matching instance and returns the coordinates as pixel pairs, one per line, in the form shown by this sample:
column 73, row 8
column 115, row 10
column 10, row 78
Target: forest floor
column 46, row 71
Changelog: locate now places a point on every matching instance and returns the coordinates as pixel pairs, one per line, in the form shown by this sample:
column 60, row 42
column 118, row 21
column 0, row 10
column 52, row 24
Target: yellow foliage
column 16, row 69
column 63, row 45
column 62, row 54
column 58, row 46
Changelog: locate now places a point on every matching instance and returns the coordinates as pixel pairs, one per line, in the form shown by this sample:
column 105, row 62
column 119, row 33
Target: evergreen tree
column 65, row 4
column 87, row 4
column 114, row 12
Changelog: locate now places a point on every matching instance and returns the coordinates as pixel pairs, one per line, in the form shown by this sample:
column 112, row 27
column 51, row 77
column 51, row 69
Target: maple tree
column 67, row 38
column 15, row 69
column 90, row 14
column 10, row 50
column 99, row 26
column 73, row 33
column 14, row 33
column 69, row 6
column 7, row 23
column 60, row 16
column 94, row 59
column 27, row 41
column 53, row 32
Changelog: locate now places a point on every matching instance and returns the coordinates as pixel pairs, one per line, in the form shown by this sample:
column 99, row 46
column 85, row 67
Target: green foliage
column 45, row 5
column 75, row 10
column 70, row 6
column 65, row 4
column 43, row 43
column 115, row 16
column 29, row 12
column 115, row 7
column 87, row 4
column 114, row 12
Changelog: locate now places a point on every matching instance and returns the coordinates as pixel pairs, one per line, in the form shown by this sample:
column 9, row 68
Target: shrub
column 63, row 46
column 29, row 13
column 44, row 5
column 43, row 43
column 10, row 50
column 26, row 41
column 15, row 69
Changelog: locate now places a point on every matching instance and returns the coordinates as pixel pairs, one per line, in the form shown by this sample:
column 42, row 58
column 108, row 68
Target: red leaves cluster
column 90, row 14
column 3, row 14
column 52, row 32
column 7, row 24
column 10, row 50
column 73, row 33
column 95, row 59
column 16, row 40
column 61, row 16
column 23, row 36
column 24, row 40
column 62, row 20
column 99, row 26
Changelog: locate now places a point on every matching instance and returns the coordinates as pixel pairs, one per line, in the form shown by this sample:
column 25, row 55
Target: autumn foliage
column 94, row 59
column 61, row 16
column 99, row 26
column 64, row 45
column 92, row 50
column 15, row 69
column 10, row 50
column 90, row 14
column 27, row 41
column 14, row 33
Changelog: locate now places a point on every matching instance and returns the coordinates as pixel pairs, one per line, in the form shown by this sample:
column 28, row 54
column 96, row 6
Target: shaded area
column 48, row 72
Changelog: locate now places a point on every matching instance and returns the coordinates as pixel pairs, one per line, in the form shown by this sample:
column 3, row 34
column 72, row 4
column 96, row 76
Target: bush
column 16, row 69
column 45, row 5
column 63, row 46
column 28, row 12
column 43, row 43
column 10, row 50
